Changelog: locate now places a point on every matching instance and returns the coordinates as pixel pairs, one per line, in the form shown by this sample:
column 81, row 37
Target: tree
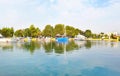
column 7, row 32
column 102, row 34
column 0, row 31
column 94, row 35
column 78, row 31
column 38, row 32
column 88, row 33
column 71, row 31
column 19, row 33
column 106, row 36
column 59, row 29
column 11, row 32
column 32, row 30
column 48, row 31
column 27, row 32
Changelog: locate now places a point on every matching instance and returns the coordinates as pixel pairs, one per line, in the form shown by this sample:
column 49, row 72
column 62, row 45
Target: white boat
column 80, row 37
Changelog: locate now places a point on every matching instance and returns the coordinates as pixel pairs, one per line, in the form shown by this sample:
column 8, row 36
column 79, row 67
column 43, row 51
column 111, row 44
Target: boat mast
column 65, row 30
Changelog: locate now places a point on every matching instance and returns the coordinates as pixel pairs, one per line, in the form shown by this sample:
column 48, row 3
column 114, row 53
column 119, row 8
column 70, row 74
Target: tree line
column 49, row 31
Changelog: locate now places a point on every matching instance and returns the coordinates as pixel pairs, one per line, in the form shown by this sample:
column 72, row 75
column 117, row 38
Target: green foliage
column 0, row 31
column 35, row 32
column 48, row 31
column 32, row 32
column 7, row 32
column 71, row 31
column 19, row 33
column 106, row 36
column 38, row 32
column 113, row 36
column 88, row 33
column 27, row 32
column 59, row 29
column 77, row 31
column 94, row 35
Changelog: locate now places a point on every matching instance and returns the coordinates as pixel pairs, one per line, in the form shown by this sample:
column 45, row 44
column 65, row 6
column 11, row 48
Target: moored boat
column 80, row 38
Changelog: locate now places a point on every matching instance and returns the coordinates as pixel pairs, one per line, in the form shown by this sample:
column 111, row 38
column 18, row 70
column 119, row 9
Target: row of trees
column 49, row 31
column 7, row 32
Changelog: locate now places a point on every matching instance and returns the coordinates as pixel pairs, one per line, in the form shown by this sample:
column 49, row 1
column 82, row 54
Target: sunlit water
column 79, row 58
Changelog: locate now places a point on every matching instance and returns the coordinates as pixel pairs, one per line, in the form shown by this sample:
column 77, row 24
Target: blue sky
column 97, row 15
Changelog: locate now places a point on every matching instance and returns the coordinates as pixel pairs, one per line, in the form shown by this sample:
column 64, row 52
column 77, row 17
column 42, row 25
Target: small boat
column 80, row 38
column 62, row 39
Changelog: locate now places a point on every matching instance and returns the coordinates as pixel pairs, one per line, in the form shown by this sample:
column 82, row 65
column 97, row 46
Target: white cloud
column 83, row 16
column 71, row 12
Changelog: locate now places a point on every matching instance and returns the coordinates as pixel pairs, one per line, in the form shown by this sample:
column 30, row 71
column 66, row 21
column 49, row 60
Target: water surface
column 75, row 58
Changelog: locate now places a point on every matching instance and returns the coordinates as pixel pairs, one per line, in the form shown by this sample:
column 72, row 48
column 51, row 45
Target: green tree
column 94, row 35
column 102, row 34
column 106, row 36
column 0, row 31
column 27, row 32
column 77, row 31
column 59, row 29
column 7, row 32
column 19, row 33
column 48, row 31
column 38, row 32
column 71, row 31
column 88, row 33
column 32, row 30
column 11, row 32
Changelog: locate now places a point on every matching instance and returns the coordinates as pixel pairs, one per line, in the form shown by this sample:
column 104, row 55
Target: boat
column 62, row 38
column 80, row 38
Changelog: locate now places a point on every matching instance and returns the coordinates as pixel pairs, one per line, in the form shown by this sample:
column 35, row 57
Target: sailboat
column 62, row 39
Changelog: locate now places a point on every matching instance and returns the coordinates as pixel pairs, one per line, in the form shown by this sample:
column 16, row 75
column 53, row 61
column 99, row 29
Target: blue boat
column 62, row 39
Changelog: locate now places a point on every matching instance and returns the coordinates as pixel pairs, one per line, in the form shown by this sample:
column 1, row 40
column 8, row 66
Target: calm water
column 82, row 58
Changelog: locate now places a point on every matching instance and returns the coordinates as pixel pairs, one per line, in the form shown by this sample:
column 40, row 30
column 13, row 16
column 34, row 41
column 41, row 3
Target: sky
column 96, row 15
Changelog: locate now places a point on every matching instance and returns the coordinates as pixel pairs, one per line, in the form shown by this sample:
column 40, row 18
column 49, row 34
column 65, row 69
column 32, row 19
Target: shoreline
column 47, row 39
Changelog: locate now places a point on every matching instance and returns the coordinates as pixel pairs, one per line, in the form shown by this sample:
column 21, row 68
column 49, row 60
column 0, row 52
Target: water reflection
column 6, row 46
column 31, row 46
column 56, row 47
column 89, row 58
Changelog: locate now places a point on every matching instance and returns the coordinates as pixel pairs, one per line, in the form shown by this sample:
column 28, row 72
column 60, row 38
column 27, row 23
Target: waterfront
column 75, row 58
